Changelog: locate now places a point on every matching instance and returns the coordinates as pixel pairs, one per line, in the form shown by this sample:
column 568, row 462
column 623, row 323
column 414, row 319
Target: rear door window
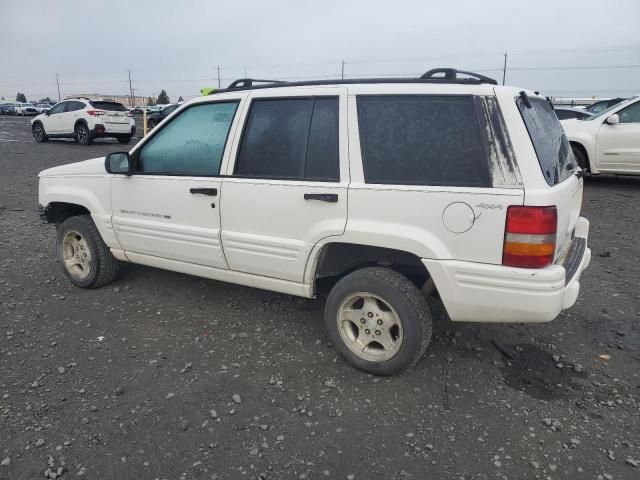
column 422, row 140
column 549, row 140
column 291, row 138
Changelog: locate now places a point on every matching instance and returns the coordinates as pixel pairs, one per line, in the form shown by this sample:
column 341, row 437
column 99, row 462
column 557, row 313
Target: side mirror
column 613, row 119
column 47, row 112
column 118, row 163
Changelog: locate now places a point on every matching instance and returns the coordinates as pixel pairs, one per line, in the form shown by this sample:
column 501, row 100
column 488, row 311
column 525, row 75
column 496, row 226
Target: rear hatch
column 558, row 165
column 116, row 112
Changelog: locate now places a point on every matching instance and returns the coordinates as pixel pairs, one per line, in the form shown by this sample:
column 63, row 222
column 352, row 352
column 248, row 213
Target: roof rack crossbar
column 248, row 82
column 453, row 74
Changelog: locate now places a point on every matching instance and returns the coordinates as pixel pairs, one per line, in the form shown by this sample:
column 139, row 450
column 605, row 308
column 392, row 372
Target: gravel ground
column 166, row 376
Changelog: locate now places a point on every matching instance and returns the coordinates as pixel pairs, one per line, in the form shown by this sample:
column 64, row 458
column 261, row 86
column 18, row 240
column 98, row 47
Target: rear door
column 70, row 116
column 618, row 146
column 558, row 167
column 287, row 188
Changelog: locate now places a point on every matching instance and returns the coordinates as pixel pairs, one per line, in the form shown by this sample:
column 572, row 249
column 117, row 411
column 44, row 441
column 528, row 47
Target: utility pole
column 342, row 71
column 504, row 69
column 58, row 83
column 218, row 77
column 130, row 90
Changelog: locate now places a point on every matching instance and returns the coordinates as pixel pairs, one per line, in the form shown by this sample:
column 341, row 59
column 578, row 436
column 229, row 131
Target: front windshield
column 617, row 105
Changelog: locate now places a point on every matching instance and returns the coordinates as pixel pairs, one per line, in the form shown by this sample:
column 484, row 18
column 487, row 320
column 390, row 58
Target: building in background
column 123, row 99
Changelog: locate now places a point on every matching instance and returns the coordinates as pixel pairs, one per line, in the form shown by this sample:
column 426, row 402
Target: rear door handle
column 212, row 192
column 323, row 197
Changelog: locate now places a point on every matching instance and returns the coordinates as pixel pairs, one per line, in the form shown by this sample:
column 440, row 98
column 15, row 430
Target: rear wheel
column 87, row 261
column 38, row 132
column 82, row 134
column 378, row 320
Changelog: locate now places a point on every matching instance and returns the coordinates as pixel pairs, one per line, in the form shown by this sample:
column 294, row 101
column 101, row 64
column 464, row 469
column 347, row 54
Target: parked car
column 564, row 113
column 42, row 107
column 155, row 118
column 7, row 109
column 136, row 110
column 602, row 105
column 379, row 193
column 610, row 141
column 84, row 120
column 25, row 109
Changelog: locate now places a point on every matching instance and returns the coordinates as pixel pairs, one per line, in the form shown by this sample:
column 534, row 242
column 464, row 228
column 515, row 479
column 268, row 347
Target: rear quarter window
column 422, row 140
column 549, row 140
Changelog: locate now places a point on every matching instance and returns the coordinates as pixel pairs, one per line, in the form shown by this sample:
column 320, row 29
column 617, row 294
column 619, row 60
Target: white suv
column 84, row 120
column 381, row 193
column 608, row 142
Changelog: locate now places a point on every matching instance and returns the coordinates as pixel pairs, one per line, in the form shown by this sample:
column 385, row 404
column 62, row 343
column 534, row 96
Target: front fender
column 90, row 192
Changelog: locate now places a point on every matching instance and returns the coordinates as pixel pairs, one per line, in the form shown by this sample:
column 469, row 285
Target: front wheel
column 581, row 158
column 87, row 261
column 38, row 133
column 151, row 124
column 378, row 320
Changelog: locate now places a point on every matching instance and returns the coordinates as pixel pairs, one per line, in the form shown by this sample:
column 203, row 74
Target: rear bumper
column 475, row 292
column 113, row 130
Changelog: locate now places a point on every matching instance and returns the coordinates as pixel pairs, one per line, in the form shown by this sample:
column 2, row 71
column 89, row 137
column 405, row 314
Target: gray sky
column 176, row 45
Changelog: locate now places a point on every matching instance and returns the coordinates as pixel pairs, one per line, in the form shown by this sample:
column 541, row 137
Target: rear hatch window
column 548, row 138
column 109, row 106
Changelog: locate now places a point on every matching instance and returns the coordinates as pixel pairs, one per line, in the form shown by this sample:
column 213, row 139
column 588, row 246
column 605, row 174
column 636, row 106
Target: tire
column 82, row 134
column 126, row 139
column 38, row 132
column 151, row 124
column 581, row 158
column 376, row 307
column 86, row 260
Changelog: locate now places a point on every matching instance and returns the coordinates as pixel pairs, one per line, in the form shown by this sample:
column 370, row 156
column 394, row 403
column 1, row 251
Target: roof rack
column 436, row 75
column 453, row 74
column 248, row 83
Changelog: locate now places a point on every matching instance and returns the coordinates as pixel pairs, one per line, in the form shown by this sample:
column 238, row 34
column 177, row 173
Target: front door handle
column 212, row 192
column 323, row 197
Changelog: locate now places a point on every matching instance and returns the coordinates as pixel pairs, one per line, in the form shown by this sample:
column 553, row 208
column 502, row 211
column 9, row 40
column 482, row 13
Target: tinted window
column 58, row 108
column 73, row 106
column 293, row 138
column 548, row 138
column 421, row 140
column 192, row 143
column 109, row 106
column 630, row 114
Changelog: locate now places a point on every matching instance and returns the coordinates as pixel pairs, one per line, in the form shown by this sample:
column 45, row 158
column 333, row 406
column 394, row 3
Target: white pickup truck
column 382, row 193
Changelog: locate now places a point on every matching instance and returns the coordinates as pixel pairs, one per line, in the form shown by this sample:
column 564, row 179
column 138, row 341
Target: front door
column 287, row 188
column 618, row 146
column 170, row 207
column 53, row 119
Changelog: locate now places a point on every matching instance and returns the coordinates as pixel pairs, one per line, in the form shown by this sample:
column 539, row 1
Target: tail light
column 96, row 113
column 530, row 236
column 129, row 114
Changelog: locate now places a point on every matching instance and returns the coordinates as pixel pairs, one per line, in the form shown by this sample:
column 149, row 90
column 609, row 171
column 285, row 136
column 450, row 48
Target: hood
column 95, row 166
